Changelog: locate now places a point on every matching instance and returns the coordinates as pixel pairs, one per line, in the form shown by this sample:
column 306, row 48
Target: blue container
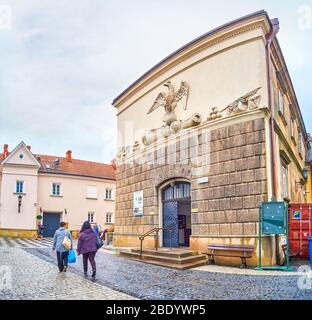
column 310, row 249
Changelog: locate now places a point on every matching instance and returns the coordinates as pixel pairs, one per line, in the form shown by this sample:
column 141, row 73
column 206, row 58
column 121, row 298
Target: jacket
column 59, row 238
column 86, row 242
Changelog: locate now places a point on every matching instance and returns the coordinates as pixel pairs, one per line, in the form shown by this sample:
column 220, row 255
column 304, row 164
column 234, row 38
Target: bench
column 234, row 251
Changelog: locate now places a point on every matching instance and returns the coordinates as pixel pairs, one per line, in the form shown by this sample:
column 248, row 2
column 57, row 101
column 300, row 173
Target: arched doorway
column 176, row 211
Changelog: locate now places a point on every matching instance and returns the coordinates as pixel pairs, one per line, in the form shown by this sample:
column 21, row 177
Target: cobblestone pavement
column 26, row 243
column 33, row 278
column 152, row 282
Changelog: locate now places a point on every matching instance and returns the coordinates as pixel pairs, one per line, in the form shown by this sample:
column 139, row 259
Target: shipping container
column 300, row 216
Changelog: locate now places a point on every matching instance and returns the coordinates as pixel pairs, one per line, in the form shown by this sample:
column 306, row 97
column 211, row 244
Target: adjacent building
column 56, row 188
column 205, row 136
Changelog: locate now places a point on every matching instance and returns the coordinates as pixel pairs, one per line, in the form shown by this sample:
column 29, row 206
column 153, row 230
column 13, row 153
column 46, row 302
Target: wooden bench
column 234, row 251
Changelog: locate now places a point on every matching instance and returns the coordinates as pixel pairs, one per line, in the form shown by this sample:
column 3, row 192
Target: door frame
column 160, row 203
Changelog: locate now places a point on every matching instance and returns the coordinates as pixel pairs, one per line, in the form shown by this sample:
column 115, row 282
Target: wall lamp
column 301, row 183
column 19, row 198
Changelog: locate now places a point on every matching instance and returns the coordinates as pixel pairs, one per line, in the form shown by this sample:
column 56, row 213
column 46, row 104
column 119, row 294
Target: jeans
column 62, row 259
column 89, row 256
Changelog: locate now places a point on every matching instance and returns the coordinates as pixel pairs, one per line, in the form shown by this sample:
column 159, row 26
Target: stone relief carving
column 173, row 125
column 249, row 101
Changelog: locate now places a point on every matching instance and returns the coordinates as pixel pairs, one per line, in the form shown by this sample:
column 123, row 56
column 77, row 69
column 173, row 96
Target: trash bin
column 310, row 248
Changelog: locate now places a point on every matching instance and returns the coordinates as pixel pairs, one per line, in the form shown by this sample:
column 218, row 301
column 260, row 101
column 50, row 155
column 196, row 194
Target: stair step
column 167, row 259
column 184, row 263
column 170, row 253
column 173, row 265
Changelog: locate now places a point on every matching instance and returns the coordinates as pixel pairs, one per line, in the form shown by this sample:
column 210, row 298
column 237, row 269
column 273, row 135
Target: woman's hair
column 86, row 225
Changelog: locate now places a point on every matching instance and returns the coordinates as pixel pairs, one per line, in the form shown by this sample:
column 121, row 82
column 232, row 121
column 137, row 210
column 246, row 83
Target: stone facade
column 225, row 208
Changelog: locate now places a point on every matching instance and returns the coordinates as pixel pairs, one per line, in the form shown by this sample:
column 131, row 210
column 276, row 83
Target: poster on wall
column 138, row 203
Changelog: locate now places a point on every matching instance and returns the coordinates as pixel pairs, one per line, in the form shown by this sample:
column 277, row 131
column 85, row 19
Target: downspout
column 269, row 38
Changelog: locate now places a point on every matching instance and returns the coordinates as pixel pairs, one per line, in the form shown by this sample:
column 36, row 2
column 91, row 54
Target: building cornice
column 43, row 173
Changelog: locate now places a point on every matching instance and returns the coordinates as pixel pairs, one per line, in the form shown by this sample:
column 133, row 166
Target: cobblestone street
column 35, row 276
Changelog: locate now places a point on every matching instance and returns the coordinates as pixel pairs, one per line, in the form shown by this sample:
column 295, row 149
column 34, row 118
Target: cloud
column 63, row 63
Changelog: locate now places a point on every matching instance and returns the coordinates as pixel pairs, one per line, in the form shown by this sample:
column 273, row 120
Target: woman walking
column 61, row 251
column 87, row 247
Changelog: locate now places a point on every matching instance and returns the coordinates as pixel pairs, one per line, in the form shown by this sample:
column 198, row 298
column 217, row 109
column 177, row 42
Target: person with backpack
column 62, row 243
column 88, row 244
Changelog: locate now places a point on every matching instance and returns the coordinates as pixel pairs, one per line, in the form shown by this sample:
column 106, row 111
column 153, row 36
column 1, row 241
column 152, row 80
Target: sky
column 62, row 63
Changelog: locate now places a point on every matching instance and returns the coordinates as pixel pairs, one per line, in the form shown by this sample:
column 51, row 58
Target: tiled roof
column 75, row 167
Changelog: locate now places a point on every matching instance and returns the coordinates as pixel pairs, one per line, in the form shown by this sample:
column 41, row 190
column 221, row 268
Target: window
column 285, row 180
column 56, row 189
column 109, row 194
column 300, row 143
column 292, row 127
column 91, row 217
column 19, row 187
column 109, row 218
column 92, row 192
column 280, row 102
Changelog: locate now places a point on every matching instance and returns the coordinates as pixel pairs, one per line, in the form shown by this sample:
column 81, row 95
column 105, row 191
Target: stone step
column 177, row 254
column 171, row 265
column 188, row 262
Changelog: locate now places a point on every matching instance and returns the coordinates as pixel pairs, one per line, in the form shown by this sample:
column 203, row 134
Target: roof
column 190, row 44
column 76, row 167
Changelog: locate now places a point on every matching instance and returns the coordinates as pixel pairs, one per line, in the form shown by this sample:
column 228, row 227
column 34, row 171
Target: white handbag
column 66, row 242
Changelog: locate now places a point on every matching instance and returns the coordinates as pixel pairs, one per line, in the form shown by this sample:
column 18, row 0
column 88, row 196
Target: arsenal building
column 205, row 136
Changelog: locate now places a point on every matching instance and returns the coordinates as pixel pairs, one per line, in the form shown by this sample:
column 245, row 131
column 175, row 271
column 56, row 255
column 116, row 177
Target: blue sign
column 273, row 218
column 296, row 214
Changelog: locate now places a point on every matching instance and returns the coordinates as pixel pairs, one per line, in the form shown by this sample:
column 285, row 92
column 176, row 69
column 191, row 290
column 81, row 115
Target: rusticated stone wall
column 233, row 157
column 228, row 204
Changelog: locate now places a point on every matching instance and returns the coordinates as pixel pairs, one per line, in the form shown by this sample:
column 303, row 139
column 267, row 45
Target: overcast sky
column 63, row 62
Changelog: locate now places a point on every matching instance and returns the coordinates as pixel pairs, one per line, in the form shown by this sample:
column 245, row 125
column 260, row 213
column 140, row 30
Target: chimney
column 69, row 156
column 29, row 148
column 5, row 150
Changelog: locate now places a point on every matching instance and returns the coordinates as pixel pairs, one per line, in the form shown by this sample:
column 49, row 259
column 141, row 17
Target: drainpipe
column 269, row 39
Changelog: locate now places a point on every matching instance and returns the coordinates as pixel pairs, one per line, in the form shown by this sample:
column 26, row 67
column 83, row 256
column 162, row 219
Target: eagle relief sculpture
column 170, row 101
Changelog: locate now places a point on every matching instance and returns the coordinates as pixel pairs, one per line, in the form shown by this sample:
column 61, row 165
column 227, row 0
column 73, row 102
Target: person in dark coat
column 87, row 247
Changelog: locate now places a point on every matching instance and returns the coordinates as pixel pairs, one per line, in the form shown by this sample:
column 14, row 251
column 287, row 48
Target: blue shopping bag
column 71, row 256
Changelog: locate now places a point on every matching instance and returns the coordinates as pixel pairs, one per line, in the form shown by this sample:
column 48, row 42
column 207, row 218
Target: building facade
column 205, row 136
column 56, row 188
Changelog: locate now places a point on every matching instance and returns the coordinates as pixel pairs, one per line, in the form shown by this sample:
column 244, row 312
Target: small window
column 280, row 102
column 109, row 218
column 19, row 187
column 109, row 194
column 292, row 127
column 56, row 189
column 91, row 217
column 300, row 144
column 92, row 192
column 285, row 180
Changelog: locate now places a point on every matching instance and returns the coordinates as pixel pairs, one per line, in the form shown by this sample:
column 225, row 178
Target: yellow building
column 205, row 136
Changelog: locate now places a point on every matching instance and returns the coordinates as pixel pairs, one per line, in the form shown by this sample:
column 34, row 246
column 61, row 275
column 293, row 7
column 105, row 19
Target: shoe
column 64, row 269
column 85, row 274
column 93, row 274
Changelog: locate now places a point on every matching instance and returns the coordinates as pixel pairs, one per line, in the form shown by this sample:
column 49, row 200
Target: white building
column 57, row 188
